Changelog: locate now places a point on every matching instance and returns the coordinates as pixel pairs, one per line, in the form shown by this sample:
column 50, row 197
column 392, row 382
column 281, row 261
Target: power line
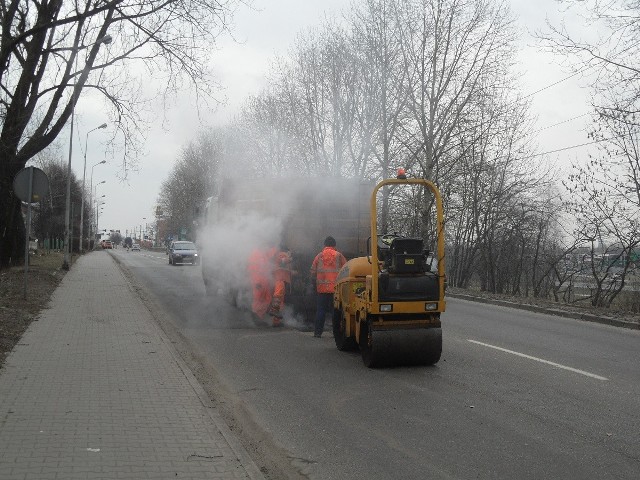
column 556, row 83
column 564, row 148
column 573, row 146
column 560, row 123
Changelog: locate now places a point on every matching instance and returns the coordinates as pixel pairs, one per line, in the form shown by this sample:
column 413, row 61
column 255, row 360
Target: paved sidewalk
column 95, row 390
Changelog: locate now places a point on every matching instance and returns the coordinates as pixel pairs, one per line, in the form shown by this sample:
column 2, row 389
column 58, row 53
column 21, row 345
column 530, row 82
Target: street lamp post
column 84, row 175
column 91, row 199
column 67, row 220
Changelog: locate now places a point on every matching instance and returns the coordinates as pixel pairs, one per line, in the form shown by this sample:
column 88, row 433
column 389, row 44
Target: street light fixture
column 95, row 195
column 67, row 219
column 95, row 165
column 98, row 210
column 84, row 175
column 91, row 199
column 95, row 189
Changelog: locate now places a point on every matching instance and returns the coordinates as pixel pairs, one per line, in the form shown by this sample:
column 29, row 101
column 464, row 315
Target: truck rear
column 298, row 213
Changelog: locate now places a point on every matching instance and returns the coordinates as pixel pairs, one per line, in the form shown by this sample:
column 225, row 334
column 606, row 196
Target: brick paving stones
column 95, row 390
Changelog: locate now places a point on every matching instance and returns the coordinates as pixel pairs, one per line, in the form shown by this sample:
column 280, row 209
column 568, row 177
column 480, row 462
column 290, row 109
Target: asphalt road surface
column 516, row 395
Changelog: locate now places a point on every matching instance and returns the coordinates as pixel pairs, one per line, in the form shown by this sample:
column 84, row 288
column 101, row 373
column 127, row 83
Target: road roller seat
column 384, row 248
column 407, row 255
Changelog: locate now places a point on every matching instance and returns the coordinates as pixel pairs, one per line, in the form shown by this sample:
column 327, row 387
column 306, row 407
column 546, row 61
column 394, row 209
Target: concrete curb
column 587, row 317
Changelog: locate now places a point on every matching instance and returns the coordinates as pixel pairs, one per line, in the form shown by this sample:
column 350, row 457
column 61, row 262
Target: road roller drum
column 391, row 347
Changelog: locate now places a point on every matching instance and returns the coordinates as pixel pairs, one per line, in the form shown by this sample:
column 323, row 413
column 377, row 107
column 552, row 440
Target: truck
column 295, row 213
column 388, row 303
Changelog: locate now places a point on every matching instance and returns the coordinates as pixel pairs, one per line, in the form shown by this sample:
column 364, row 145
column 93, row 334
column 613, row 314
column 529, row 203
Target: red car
column 107, row 244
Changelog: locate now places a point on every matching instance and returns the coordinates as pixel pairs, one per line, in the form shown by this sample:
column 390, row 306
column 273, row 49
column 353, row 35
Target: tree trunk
column 12, row 232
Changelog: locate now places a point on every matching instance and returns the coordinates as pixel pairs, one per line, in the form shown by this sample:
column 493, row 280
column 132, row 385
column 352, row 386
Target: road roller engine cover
column 388, row 303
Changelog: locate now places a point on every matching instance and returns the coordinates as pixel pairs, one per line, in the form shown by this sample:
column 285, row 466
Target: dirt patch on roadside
column 17, row 312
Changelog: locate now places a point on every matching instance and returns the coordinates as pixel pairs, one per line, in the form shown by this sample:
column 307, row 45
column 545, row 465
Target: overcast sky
column 240, row 68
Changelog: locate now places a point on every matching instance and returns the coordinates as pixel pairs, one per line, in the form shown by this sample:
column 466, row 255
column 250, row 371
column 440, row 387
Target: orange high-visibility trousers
column 261, row 298
column 261, row 282
column 282, row 276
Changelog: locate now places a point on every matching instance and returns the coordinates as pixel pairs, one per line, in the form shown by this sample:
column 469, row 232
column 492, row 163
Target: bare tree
column 617, row 168
column 608, row 55
column 304, row 120
column 324, row 75
column 609, row 60
column 453, row 52
column 50, row 51
column 272, row 143
column 604, row 193
column 377, row 35
column 609, row 224
column 49, row 215
column 191, row 181
column 491, row 191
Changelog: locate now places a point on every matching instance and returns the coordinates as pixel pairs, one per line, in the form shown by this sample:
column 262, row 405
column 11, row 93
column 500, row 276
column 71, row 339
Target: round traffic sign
column 39, row 187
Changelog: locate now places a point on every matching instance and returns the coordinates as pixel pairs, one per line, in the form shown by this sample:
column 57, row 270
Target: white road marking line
column 553, row 364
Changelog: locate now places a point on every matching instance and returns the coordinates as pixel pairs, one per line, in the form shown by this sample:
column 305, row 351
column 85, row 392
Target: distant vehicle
column 128, row 241
column 135, row 247
column 183, row 252
column 107, row 244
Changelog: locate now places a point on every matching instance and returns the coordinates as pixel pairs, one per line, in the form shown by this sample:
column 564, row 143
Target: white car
column 135, row 247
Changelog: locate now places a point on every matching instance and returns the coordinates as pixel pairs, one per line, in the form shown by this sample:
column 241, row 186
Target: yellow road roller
column 389, row 302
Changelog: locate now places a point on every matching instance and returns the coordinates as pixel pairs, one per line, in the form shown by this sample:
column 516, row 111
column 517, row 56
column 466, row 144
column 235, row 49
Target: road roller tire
column 398, row 347
column 343, row 342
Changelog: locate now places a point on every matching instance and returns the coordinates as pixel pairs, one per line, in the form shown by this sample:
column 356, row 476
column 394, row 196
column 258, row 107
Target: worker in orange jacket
column 261, row 277
column 324, row 271
column 281, row 277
